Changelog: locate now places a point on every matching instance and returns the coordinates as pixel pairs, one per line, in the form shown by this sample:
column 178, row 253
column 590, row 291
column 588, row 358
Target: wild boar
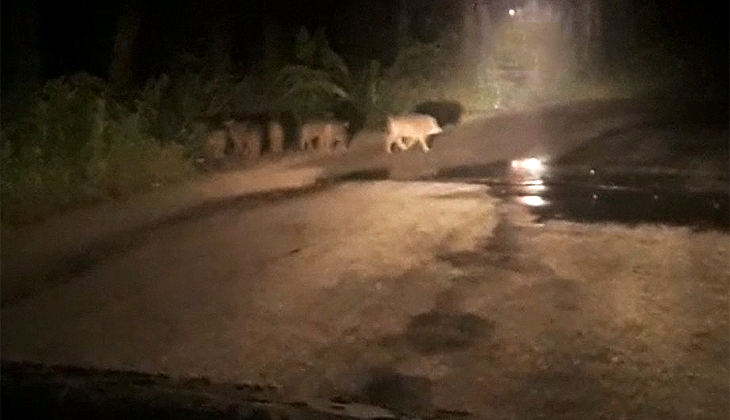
column 413, row 128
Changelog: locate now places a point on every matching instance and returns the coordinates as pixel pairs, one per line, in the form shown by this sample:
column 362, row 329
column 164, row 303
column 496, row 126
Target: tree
column 319, row 78
column 403, row 24
column 21, row 59
column 273, row 44
column 220, row 44
column 120, row 70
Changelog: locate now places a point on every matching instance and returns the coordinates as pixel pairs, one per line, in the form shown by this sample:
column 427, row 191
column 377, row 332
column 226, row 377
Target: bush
column 419, row 73
column 72, row 143
column 179, row 109
column 318, row 80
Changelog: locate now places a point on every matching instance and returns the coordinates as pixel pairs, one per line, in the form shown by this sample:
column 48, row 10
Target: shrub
column 72, row 143
column 420, row 73
column 316, row 83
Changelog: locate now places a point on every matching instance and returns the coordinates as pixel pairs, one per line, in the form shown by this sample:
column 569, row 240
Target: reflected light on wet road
column 531, row 164
column 619, row 197
column 534, row 186
column 532, row 200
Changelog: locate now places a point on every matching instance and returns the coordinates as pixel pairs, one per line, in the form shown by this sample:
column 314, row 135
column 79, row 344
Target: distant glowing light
column 531, row 164
column 511, row 12
column 532, row 200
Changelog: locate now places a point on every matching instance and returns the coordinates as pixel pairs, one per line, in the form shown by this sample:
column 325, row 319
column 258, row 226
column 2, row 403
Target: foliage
column 73, row 143
column 367, row 91
column 417, row 73
column 75, row 140
column 319, row 78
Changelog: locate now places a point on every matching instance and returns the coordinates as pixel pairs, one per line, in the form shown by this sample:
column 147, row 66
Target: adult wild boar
column 413, row 128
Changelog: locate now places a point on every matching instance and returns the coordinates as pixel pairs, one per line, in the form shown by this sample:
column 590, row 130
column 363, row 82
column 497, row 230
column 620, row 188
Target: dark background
column 45, row 39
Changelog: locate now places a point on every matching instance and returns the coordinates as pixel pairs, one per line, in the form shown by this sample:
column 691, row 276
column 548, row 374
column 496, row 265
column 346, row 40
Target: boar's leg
column 424, row 145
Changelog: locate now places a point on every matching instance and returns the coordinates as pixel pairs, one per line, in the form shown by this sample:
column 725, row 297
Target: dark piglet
column 445, row 112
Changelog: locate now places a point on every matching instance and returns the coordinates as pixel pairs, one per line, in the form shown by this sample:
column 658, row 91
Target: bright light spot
column 536, row 188
column 532, row 200
column 531, row 164
column 511, row 12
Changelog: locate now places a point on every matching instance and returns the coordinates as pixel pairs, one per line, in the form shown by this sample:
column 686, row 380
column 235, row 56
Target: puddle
column 626, row 195
column 437, row 332
column 622, row 204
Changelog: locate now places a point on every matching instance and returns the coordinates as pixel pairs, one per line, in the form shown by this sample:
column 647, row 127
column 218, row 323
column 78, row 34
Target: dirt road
column 415, row 296
column 412, row 296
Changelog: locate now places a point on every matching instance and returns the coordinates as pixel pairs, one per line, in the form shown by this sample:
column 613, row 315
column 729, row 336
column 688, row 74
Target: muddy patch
column 440, row 332
column 377, row 174
column 500, row 250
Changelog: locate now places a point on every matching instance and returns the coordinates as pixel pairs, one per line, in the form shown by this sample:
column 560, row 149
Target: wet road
column 484, row 290
column 415, row 296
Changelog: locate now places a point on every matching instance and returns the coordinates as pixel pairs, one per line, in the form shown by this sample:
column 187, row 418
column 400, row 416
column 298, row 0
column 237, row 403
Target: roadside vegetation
column 78, row 139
